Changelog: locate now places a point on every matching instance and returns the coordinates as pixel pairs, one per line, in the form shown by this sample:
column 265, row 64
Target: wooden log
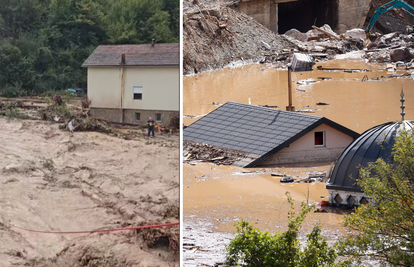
column 327, row 33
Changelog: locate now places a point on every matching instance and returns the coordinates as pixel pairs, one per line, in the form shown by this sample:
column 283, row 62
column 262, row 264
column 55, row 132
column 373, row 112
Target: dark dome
column 374, row 143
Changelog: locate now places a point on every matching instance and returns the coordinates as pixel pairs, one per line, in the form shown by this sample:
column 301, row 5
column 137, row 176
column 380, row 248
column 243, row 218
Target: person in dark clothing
column 151, row 126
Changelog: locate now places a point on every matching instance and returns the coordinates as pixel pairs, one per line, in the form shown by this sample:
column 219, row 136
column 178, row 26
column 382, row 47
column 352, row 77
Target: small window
column 319, row 138
column 351, row 201
column 364, row 200
column 137, row 92
column 137, row 116
column 158, row 116
column 338, row 199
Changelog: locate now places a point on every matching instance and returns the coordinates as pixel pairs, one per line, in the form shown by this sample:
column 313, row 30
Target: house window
column 319, row 138
column 137, row 92
column 137, row 116
column 158, row 116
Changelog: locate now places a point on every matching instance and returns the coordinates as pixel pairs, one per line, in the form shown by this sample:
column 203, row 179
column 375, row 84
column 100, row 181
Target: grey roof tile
column 254, row 129
column 135, row 55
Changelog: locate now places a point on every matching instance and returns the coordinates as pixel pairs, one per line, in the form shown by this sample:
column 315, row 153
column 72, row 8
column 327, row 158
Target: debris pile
column 208, row 153
column 392, row 47
column 215, row 35
column 314, row 177
column 166, row 237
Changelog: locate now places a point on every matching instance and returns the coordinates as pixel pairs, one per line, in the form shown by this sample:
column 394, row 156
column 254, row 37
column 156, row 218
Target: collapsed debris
column 234, row 37
column 207, row 153
column 168, row 237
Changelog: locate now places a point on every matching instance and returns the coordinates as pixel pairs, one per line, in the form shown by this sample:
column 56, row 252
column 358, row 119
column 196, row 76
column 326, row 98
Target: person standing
column 151, row 125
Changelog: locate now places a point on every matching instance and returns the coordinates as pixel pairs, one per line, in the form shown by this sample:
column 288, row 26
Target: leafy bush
column 252, row 247
column 12, row 112
column 12, row 91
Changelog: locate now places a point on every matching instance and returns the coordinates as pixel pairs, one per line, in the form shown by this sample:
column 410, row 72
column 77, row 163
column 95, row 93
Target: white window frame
column 137, row 89
column 324, row 138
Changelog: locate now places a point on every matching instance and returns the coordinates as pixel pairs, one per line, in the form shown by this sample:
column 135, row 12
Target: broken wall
column 263, row 11
column 278, row 16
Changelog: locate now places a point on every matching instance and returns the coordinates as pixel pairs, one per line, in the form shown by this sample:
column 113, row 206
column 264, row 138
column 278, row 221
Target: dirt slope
column 215, row 35
column 53, row 180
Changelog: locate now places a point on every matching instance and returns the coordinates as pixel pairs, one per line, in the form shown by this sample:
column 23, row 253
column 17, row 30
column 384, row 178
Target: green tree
column 120, row 22
column 43, row 43
column 138, row 21
column 75, row 22
column 252, row 247
column 172, row 7
column 15, row 71
column 385, row 228
column 19, row 16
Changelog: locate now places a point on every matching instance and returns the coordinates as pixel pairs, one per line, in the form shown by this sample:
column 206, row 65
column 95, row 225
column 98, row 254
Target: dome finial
column 402, row 103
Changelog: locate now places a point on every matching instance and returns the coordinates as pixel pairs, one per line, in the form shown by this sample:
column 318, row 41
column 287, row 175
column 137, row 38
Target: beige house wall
column 160, row 93
column 160, row 87
column 303, row 150
column 104, row 87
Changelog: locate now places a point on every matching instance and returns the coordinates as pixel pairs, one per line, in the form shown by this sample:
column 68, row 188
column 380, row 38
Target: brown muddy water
column 216, row 197
column 354, row 104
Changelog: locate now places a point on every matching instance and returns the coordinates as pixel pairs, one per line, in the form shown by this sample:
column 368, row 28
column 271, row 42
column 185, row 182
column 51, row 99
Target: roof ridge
column 273, row 110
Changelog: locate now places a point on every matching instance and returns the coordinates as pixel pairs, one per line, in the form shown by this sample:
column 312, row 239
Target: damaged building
column 283, row 15
column 270, row 137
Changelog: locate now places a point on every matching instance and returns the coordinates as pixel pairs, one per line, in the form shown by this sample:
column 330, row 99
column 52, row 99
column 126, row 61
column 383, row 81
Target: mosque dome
column 373, row 144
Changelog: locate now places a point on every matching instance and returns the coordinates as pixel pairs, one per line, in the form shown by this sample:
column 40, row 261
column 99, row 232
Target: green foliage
column 43, row 43
column 12, row 112
column 138, row 21
column 252, row 247
column 385, row 229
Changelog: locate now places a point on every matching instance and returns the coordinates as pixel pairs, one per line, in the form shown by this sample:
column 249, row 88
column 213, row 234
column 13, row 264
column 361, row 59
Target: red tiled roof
column 135, row 55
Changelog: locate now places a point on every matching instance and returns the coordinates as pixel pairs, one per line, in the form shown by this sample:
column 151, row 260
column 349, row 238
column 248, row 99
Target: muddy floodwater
column 216, row 197
column 355, row 104
column 226, row 194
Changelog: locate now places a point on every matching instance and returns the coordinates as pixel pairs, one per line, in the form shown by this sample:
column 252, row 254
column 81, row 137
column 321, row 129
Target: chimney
column 123, row 59
column 153, row 42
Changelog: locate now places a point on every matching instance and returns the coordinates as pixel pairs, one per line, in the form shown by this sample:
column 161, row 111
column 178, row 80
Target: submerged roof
column 258, row 131
column 373, row 144
column 135, row 55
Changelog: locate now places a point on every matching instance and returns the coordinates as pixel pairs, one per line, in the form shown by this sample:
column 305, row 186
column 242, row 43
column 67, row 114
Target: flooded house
column 377, row 142
column 129, row 83
column 268, row 136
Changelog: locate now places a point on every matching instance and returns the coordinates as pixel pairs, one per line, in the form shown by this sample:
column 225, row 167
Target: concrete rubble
column 215, row 36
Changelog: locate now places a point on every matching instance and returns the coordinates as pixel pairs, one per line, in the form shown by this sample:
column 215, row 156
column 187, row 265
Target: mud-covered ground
column 54, row 180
